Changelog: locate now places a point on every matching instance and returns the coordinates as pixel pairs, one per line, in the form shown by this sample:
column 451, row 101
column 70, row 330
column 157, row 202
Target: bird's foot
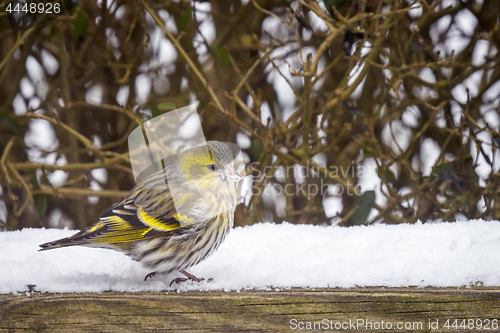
column 150, row 275
column 179, row 280
column 189, row 276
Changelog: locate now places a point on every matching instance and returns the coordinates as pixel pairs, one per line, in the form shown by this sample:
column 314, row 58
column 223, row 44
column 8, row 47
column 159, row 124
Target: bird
column 173, row 219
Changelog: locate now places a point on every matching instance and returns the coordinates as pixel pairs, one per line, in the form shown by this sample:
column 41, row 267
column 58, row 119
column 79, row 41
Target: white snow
column 267, row 255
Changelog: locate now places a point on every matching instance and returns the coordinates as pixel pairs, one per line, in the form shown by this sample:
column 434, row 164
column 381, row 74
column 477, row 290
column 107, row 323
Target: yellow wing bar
column 157, row 223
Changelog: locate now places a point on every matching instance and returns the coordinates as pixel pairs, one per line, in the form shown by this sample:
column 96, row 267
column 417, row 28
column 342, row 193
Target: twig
column 184, row 54
column 78, row 192
column 86, row 142
column 29, row 195
column 3, row 160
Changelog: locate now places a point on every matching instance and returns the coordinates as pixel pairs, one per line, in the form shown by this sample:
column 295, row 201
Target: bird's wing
column 147, row 212
column 126, row 222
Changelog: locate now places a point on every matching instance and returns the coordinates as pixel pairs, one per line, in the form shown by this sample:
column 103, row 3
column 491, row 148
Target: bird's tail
column 63, row 242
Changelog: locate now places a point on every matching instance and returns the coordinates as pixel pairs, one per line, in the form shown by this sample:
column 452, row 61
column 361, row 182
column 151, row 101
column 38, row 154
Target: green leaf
column 155, row 112
column 222, row 55
column 390, row 176
column 475, row 176
column 40, row 203
column 335, row 3
column 53, row 31
column 364, row 204
column 40, row 200
column 186, row 17
column 166, row 106
column 463, row 199
column 12, row 124
column 80, row 25
column 34, row 182
column 328, row 5
column 443, row 167
column 256, row 148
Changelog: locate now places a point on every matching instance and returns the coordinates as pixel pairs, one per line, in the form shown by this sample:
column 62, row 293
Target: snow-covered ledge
column 267, row 255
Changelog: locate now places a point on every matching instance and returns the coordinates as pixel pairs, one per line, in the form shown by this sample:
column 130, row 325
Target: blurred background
column 348, row 111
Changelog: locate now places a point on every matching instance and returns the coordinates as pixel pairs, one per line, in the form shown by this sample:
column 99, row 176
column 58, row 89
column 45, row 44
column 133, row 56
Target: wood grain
column 251, row 310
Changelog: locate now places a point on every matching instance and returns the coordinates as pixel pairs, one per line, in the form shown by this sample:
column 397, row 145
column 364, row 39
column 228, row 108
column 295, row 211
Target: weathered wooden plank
column 253, row 310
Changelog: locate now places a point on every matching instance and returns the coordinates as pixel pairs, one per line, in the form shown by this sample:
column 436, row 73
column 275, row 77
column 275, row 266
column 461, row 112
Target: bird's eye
column 211, row 167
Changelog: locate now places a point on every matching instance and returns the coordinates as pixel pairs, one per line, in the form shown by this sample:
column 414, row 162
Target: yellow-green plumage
column 167, row 237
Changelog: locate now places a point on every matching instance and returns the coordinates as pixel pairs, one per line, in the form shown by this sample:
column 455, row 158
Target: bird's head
column 209, row 167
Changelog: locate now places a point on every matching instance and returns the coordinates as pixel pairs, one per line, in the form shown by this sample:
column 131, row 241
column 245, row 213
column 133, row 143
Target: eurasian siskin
column 169, row 230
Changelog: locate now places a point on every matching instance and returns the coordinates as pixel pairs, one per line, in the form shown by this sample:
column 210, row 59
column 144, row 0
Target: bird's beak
column 232, row 174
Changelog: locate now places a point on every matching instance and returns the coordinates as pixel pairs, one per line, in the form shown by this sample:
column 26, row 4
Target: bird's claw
column 179, row 280
column 150, row 275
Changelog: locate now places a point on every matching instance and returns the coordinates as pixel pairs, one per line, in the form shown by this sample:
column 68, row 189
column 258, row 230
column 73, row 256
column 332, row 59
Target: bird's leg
column 150, row 275
column 189, row 277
